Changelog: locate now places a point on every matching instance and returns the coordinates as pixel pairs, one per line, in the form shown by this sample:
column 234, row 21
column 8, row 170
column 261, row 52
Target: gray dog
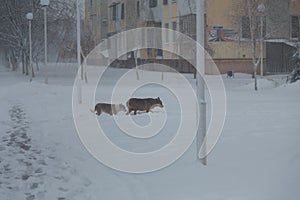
column 111, row 109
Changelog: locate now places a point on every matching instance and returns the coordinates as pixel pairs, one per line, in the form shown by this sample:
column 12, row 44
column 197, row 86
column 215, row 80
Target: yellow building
column 96, row 19
column 227, row 28
column 229, row 35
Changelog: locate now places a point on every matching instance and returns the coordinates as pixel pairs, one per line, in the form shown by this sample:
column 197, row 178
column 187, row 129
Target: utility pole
column 199, row 80
column 29, row 16
column 261, row 8
column 79, row 87
column 78, row 38
column 44, row 4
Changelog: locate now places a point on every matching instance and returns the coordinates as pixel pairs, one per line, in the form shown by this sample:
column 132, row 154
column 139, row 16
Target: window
column 91, row 3
column 258, row 26
column 256, row 21
column 174, row 24
column 149, row 52
column 166, row 33
column 138, row 8
column 159, row 52
column 122, row 11
column 93, row 23
column 245, row 27
column 184, row 26
column 165, row 2
column 295, row 27
column 152, row 3
column 114, row 12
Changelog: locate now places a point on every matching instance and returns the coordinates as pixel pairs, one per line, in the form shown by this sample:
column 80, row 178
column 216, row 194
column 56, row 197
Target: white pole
column 78, row 38
column 261, row 47
column 30, row 53
column 135, row 54
column 46, row 43
column 79, row 86
column 261, row 8
column 199, row 80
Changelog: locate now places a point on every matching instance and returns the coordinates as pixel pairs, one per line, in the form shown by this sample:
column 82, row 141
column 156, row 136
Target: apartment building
column 96, row 18
column 227, row 29
column 229, row 34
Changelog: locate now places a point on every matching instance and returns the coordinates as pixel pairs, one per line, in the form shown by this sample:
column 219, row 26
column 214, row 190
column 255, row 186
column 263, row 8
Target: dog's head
column 97, row 110
column 158, row 102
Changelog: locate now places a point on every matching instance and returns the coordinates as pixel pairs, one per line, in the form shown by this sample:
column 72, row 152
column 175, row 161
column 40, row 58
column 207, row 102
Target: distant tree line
column 61, row 24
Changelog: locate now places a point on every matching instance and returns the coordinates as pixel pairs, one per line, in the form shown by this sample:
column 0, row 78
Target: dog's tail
column 93, row 111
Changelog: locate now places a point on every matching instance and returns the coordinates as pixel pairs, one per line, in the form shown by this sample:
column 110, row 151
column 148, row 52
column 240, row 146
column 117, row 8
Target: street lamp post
column 201, row 134
column 78, row 50
column 44, row 4
column 78, row 37
column 29, row 16
column 261, row 8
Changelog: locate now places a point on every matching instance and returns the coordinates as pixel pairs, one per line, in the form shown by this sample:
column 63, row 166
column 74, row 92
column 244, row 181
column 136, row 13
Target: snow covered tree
column 14, row 30
column 61, row 21
column 247, row 16
column 275, row 22
column 295, row 74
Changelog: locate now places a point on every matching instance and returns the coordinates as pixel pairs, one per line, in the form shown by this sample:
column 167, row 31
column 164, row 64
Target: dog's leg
column 113, row 109
column 128, row 111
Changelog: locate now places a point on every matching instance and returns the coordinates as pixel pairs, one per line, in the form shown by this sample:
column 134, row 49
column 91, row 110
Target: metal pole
column 199, row 80
column 261, row 8
column 78, row 38
column 30, row 53
column 46, row 43
column 79, row 86
column 261, row 47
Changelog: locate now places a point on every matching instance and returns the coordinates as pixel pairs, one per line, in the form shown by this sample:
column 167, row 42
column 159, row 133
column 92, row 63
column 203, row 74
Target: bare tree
column 14, row 30
column 247, row 17
column 275, row 23
column 253, row 24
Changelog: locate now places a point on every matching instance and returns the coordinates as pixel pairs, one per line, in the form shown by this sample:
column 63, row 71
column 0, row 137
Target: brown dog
column 135, row 104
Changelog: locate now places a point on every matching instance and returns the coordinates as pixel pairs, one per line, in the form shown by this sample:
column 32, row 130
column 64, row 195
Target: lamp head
column 44, row 3
column 29, row 16
column 261, row 8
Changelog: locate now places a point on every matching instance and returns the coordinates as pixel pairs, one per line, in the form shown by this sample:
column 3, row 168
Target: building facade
column 228, row 33
column 96, row 19
column 230, row 38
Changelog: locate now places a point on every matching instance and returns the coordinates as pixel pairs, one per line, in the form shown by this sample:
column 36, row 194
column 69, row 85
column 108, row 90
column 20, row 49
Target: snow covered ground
column 42, row 157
